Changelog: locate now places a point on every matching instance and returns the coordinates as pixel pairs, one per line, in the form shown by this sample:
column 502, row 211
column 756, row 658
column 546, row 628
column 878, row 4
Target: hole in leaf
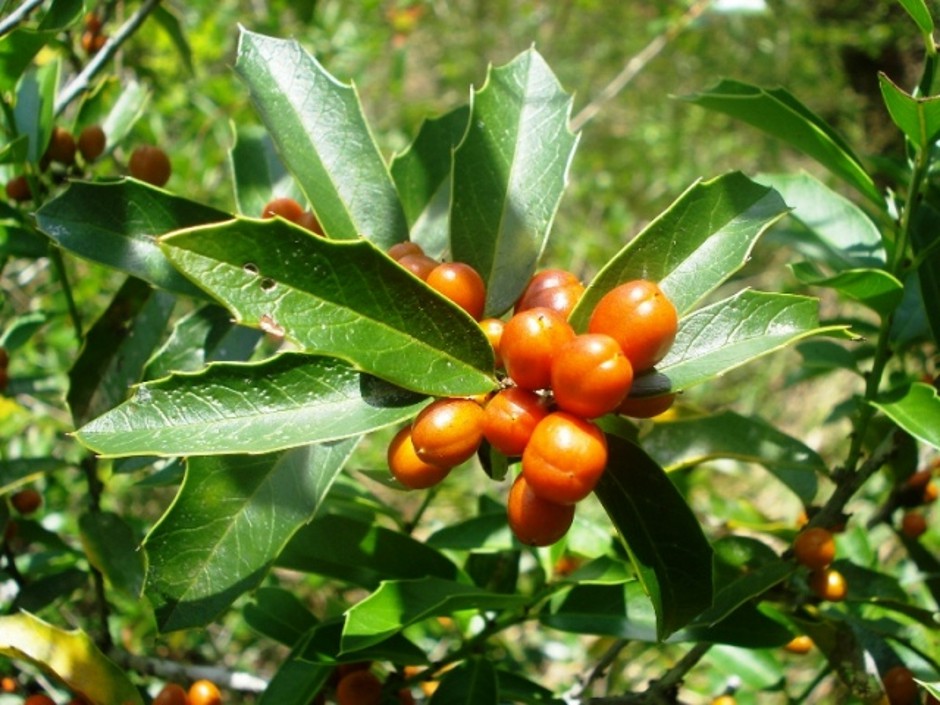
column 251, row 268
column 267, row 284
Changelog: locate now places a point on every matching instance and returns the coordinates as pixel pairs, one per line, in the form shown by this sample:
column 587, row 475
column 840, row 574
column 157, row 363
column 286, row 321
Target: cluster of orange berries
column 289, row 209
column 62, row 149
column 917, row 491
column 555, row 383
column 201, row 692
column 93, row 38
column 356, row 684
column 815, row 548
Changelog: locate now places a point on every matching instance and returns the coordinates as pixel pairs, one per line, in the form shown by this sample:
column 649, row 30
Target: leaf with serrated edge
column 703, row 238
column 510, row 171
column 917, row 412
column 736, row 330
column 71, row 655
column 230, row 520
column 340, row 298
column 323, row 138
column 287, row 401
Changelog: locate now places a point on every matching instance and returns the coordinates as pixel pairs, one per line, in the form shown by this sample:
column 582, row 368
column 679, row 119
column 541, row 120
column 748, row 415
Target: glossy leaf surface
column 875, row 288
column 917, row 118
column 917, row 412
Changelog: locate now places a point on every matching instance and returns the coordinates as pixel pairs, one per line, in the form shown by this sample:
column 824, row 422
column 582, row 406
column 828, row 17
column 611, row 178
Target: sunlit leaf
column 917, row 118
column 917, row 412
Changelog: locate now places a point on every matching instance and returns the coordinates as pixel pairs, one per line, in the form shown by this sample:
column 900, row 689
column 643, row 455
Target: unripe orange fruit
column 510, row 417
column 814, row 548
column 26, row 501
column 150, row 164
column 92, row 142
column 448, row 431
column 646, row 407
column 900, row 686
column 565, row 458
column 493, row 330
column 913, row 525
column 828, row 584
column 400, row 249
column 418, row 264
column 359, row 688
column 533, row 520
column 18, row 189
column 800, row 644
column 639, row 317
column 545, row 280
column 92, row 42
column 61, row 146
column 8, row 684
column 171, row 694
column 408, row 468
column 204, row 692
column 591, row 375
column 529, row 343
column 285, row 207
column 460, row 283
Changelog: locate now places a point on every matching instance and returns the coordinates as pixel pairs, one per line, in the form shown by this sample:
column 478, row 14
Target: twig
column 82, row 81
column 176, row 671
column 637, row 63
column 18, row 15
column 600, row 668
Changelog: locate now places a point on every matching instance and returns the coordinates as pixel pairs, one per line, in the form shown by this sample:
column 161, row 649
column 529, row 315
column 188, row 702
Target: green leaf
column 324, row 647
column 61, row 14
column 400, row 603
column 361, row 553
column 515, row 688
column 422, row 174
column 20, row 329
column 113, row 549
column 620, row 610
column 339, row 298
column 778, row 113
column 286, row 401
column 18, row 471
column 202, row 336
column 42, row 592
column 510, row 171
column 694, row 245
column 17, row 51
column 874, row 288
column 689, row 442
column 917, row 118
column 258, row 171
column 116, row 224
column 323, row 138
column 129, row 106
column 756, row 670
column 741, row 328
column 666, row 545
column 280, row 615
column 927, row 276
column 917, row 411
column 231, row 519
column 116, row 348
column 297, row 681
column 71, row 656
column 918, row 10
column 749, row 586
column 170, row 23
column 474, row 682
column 837, row 230
column 33, row 112
column 845, row 649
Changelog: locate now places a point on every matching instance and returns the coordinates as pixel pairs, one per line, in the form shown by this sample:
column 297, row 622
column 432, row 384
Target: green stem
column 90, row 467
column 663, row 690
column 811, row 686
column 55, row 256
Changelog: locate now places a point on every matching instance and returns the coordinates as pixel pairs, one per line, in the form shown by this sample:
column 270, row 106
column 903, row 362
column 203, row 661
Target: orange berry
column 800, row 644
column 560, row 299
column 408, row 468
column 930, row 493
column 493, row 330
column 419, row 265
column 26, row 501
column 8, row 684
column 828, row 584
column 509, row 418
column 309, row 221
column 462, row 284
column 591, row 375
column 542, row 281
column 565, row 458
column 18, row 189
column 41, row 699
column 285, row 207
column 529, row 343
column 359, row 688
column 646, row 407
column 533, row 520
column 448, row 431
column 400, row 249
column 171, row 694
column 92, row 142
column 92, row 42
column 150, row 164
column 61, row 146
column 204, row 692
column 92, row 22
column 639, row 317
column 814, row 548
column 900, row 686
column 913, row 525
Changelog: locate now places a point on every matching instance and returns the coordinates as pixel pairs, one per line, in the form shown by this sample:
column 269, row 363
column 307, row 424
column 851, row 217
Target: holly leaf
column 917, row 411
column 510, row 171
column 322, row 136
column 259, row 175
column 339, row 298
column 232, row 517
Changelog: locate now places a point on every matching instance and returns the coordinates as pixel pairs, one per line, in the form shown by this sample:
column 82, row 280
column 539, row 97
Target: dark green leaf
column 17, row 50
column 510, row 171
column 917, row 412
column 741, row 328
column 297, row 681
column 619, row 610
column 33, row 112
column 422, row 174
column 322, row 136
column 16, row 471
column 116, row 349
column 778, row 113
column 874, row 288
column 258, row 172
column 746, row 626
column 280, row 615
column 749, row 585
column 283, row 402
column 116, row 224
column 324, row 647
column 361, row 553
column 61, row 14
column 474, row 682
column 917, row 118
column 693, row 246
column 927, row 279
column 42, row 592
column 515, row 688
column 20, row 329
column 15, row 151
column 400, row 603
column 663, row 538
column 689, row 442
column 114, row 550
column 231, row 519
column 489, row 531
column 340, row 298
